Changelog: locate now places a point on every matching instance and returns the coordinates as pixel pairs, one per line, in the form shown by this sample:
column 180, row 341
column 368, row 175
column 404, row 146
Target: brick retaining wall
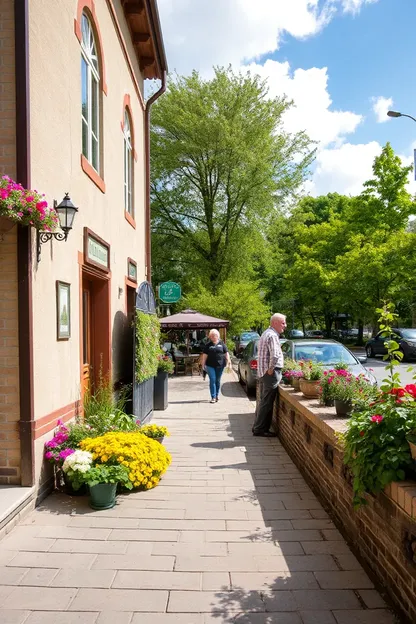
column 383, row 533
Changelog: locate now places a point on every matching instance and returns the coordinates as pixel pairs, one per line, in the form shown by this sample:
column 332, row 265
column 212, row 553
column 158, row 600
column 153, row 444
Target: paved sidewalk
column 231, row 535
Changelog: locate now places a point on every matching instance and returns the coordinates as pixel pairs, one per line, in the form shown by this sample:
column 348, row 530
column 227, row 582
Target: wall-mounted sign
column 132, row 270
column 96, row 250
column 169, row 292
column 63, row 310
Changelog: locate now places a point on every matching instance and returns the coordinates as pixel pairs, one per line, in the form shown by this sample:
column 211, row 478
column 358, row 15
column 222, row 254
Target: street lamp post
column 391, row 113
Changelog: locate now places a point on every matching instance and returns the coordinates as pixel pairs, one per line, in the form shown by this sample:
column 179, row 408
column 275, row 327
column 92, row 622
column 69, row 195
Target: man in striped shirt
column 269, row 371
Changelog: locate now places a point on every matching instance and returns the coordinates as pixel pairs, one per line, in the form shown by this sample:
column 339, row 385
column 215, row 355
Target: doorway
column 95, row 330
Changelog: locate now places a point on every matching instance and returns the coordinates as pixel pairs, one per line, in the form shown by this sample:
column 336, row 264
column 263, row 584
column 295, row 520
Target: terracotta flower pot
column 295, row 383
column 343, row 408
column 310, row 389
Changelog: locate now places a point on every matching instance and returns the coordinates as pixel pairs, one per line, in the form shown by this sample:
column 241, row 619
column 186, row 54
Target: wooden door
column 87, row 347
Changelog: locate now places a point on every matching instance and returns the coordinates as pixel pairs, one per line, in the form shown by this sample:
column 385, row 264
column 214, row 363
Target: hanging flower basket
column 6, row 225
column 25, row 207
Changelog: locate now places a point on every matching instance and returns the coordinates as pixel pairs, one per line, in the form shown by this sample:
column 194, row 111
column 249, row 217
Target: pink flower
column 30, row 199
column 377, row 418
column 65, row 453
column 49, row 455
column 411, row 389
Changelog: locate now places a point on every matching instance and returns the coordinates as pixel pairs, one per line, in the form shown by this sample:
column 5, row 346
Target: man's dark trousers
column 268, row 392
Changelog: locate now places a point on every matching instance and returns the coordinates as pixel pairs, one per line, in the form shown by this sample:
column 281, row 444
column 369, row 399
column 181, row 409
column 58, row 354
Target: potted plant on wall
column 165, row 367
column 25, row 207
column 312, row 374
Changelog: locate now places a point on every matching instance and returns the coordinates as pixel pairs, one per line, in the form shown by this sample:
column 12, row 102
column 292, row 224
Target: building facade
column 73, row 119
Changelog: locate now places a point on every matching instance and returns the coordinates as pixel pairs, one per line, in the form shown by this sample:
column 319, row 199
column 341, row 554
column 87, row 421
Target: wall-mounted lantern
column 66, row 213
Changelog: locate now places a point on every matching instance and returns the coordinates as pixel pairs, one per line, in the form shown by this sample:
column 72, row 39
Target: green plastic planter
column 103, row 496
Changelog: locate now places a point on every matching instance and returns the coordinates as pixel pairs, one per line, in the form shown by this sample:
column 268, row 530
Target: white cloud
column 354, row 6
column 308, row 88
column 380, row 107
column 199, row 34
column 343, row 169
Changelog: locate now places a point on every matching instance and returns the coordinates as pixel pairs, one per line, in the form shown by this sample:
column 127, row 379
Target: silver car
column 328, row 353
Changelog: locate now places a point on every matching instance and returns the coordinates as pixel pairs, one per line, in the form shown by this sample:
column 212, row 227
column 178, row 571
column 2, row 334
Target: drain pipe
column 24, row 245
column 148, row 260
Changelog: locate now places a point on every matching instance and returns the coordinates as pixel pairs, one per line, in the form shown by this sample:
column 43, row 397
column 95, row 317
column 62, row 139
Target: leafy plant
column 165, row 364
column 376, row 448
column 155, row 431
column 101, row 473
column 312, row 371
column 147, row 346
column 104, row 412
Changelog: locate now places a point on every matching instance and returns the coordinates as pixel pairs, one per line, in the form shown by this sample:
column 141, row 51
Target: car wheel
column 240, row 379
column 370, row 352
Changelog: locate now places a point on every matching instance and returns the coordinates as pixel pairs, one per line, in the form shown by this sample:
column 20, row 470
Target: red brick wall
column 9, row 356
column 382, row 534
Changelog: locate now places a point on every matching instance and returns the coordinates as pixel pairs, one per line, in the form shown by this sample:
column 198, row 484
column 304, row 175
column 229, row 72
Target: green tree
column 221, row 165
column 239, row 302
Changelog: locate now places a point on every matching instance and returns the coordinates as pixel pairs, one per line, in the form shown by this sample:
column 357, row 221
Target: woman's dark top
column 215, row 354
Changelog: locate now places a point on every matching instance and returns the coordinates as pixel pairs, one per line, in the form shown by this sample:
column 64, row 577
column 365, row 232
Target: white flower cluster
column 79, row 460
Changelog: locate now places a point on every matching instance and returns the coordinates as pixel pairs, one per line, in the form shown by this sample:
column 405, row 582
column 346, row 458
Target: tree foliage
column 221, row 164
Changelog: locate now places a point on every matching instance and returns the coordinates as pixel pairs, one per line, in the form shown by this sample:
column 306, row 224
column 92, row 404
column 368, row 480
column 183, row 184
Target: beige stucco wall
column 55, row 92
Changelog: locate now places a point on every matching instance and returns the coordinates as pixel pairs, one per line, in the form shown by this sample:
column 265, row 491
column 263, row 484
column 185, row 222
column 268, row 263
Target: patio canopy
column 191, row 319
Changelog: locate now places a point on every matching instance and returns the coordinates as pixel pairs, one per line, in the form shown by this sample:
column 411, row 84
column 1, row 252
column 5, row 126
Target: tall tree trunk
column 360, row 340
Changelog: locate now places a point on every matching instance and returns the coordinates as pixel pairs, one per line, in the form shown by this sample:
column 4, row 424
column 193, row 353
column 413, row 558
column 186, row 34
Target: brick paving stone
column 373, row 616
column 13, row 617
column 210, row 602
column 273, row 581
column 39, row 577
column 12, row 576
column 84, row 578
column 39, row 598
column 129, row 579
column 120, row 600
column 232, row 535
column 356, row 579
column 61, row 617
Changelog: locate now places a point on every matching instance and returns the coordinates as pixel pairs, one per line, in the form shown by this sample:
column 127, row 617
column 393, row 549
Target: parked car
column 295, row 333
column 328, row 353
column 247, row 365
column 315, row 333
column 243, row 339
column 405, row 337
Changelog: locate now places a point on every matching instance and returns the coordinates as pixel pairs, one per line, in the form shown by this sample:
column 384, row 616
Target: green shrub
column 147, row 346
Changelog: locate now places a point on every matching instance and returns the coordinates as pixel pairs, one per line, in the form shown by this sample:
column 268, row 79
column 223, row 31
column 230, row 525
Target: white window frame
column 90, row 58
column 128, row 165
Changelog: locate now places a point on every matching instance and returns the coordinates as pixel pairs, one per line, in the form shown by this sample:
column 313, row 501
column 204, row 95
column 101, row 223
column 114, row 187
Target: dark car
column 328, row 353
column 315, row 333
column 295, row 333
column 247, row 365
column 405, row 337
column 243, row 339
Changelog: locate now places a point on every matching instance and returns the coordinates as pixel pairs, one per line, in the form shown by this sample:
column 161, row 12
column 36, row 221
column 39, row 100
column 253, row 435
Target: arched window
column 128, row 165
column 90, row 78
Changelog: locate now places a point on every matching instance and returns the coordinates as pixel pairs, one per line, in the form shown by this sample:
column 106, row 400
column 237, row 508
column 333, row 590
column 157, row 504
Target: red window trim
column 127, row 105
column 92, row 174
column 90, row 5
column 130, row 219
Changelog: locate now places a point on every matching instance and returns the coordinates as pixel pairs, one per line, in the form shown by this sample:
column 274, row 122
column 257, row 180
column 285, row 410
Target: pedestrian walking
column 214, row 359
column 269, row 371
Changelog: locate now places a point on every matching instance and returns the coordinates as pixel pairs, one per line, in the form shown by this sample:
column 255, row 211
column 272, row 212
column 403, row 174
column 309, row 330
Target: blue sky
column 367, row 55
column 337, row 59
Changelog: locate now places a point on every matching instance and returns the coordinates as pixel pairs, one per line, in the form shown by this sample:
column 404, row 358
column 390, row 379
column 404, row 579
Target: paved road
column 378, row 369
column 233, row 534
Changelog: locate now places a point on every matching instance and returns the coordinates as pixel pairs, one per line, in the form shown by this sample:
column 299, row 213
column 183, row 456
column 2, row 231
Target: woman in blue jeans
column 214, row 359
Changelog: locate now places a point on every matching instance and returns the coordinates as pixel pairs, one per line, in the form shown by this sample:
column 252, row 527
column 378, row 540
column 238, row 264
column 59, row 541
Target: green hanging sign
column 170, row 292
